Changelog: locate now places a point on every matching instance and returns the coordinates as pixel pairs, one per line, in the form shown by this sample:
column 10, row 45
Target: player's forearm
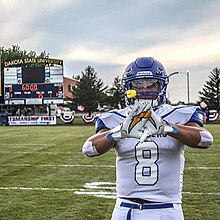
column 98, row 144
column 196, row 137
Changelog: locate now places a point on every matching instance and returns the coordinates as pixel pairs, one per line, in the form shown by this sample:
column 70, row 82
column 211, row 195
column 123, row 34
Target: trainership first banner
column 32, row 120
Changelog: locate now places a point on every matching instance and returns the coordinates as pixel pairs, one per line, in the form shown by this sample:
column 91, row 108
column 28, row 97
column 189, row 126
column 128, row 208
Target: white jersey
column 151, row 170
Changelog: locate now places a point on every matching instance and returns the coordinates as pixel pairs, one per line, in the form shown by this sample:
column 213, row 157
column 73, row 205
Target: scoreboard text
column 33, row 85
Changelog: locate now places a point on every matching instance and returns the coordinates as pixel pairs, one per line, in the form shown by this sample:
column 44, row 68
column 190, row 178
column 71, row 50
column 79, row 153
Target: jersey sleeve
column 110, row 119
column 183, row 114
column 99, row 124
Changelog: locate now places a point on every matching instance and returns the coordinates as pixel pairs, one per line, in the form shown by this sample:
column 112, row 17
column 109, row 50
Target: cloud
column 19, row 19
column 108, row 35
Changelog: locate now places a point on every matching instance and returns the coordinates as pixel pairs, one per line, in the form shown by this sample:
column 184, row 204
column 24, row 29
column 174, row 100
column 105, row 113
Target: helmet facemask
column 150, row 89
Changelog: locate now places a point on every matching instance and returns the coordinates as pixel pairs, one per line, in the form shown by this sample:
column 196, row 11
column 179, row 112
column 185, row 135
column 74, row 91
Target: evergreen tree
column 211, row 90
column 116, row 94
column 89, row 90
column 15, row 52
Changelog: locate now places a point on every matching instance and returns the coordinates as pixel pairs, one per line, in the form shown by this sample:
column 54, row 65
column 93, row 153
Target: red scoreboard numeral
column 40, row 96
column 32, row 87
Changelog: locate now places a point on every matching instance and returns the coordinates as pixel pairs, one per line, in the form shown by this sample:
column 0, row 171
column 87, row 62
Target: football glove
column 133, row 125
column 156, row 125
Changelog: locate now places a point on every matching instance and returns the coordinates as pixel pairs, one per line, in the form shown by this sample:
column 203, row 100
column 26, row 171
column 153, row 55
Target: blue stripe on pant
column 142, row 206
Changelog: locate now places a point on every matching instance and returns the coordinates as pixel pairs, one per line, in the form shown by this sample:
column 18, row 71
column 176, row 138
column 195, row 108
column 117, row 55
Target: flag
column 99, row 108
column 80, row 108
column 119, row 106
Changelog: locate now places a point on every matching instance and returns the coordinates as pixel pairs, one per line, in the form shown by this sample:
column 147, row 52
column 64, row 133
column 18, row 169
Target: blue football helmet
column 151, row 71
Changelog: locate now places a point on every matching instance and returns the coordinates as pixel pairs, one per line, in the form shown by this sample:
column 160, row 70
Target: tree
column 116, row 94
column 16, row 53
column 211, row 90
column 89, row 90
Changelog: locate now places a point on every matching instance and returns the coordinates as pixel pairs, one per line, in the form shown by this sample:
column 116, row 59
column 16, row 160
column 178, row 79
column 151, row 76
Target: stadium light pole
column 0, row 73
column 187, row 77
column 187, row 81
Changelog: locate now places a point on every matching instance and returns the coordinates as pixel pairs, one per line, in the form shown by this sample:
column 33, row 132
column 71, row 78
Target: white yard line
column 83, row 192
column 202, row 168
column 202, row 193
column 23, row 144
column 56, row 165
column 63, row 152
column 204, row 154
column 16, row 152
column 90, row 165
column 35, row 188
column 41, row 151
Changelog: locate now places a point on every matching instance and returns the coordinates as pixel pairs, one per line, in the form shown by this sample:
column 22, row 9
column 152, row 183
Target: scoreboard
column 33, row 85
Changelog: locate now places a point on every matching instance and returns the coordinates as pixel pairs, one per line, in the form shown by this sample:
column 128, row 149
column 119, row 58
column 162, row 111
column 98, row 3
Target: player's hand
column 133, row 125
column 156, row 125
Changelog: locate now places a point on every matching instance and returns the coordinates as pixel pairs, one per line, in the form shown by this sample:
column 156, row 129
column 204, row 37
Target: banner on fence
column 32, row 120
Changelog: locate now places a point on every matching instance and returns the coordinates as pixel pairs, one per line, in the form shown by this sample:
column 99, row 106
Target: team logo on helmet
column 141, row 73
column 159, row 71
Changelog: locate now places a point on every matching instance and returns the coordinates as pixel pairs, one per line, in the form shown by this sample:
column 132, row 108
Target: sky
column 183, row 35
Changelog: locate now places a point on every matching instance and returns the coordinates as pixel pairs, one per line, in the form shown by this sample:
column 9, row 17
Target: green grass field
column 43, row 175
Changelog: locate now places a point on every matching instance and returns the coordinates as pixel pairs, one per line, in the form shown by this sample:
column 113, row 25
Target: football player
column 149, row 137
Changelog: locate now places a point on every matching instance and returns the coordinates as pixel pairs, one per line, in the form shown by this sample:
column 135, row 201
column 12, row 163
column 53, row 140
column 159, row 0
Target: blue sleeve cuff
column 99, row 124
column 197, row 117
column 109, row 136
